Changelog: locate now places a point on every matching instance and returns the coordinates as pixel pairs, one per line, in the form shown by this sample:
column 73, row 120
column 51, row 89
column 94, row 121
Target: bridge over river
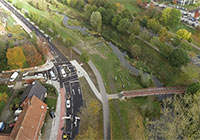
column 152, row 91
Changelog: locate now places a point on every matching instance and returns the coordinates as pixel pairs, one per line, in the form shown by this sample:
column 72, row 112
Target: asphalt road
column 70, row 83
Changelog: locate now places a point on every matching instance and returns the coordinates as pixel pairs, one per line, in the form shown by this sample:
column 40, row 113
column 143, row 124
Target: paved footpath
column 62, row 114
column 102, row 95
column 106, row 119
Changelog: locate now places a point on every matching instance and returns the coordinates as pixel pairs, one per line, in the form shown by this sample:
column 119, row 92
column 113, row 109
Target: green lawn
column 127, row 118
column 109, row 66
column 51, row 98
column 174, row 29
column 51, row 102
column 130, row 4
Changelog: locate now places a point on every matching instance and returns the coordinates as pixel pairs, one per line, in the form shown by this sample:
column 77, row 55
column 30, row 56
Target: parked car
column 52, row 114
column 53, row 76
column 63, row 72
column 14, row 76
column 68, row 103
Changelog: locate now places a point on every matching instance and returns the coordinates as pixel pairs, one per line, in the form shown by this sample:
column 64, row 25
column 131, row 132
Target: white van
column 53, row 76
column 14, row 76
column 63, row 72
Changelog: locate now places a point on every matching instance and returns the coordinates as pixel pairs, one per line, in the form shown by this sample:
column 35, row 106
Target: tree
column 193, row 88
column 126, row 14
column 138, row 2
column 90, row 1
column 100, row 3
column 174, row 1
column 179, row 119
column 164, row 35
column 115, row 20
column 135, row 51
column 3, row 59
column 89, row 9
column 178, row 57
column 33, row 38
column 135, row 28
column 145, row 79
column 96, row 20
column 16, row 58
column 175, row 17
column 84, row 57
column 154, row 25
column 80, row 4
column 176, row 41
column 120, row 7
column 3, row 97
column 33, row 57
column 108, row 16
column 183, row 34
column 166, row 16
column 123, row 25
column 144, row 21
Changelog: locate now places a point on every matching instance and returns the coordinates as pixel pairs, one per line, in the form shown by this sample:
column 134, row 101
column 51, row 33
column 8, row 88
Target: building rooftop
column 4, row 136
column 35, row 89
column 30, row 120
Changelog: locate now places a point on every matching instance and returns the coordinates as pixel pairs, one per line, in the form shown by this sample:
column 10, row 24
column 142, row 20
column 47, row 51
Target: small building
column 186, row 2
column 30, row 120
column 34, row 89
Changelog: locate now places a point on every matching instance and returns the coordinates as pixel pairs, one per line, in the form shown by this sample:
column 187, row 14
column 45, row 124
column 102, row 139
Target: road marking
column 76, row 81
column 71, row 125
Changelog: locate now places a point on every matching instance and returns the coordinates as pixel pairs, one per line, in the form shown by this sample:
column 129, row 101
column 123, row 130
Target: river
column 120, row 55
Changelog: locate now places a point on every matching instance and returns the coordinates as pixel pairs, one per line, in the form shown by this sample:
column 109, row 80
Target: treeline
column 123, row 27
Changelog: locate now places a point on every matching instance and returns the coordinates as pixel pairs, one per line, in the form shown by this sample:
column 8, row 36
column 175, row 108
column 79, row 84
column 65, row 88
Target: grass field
column 89, row 117
column 181, row 26
column 130, row 4
column 127, row 118
column 109, row 66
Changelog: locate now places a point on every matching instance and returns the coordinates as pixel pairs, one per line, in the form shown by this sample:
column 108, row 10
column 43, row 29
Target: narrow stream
column 120, row 55
column 83, row 30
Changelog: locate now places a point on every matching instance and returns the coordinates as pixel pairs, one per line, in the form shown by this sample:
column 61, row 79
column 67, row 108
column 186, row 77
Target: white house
column 184, row 2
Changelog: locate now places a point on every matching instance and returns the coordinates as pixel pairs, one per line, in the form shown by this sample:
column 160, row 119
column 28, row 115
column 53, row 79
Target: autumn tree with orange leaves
column 42, row 47
column 3, row 97
column 33, row 57
column 174, row 1
column 16, row 58
column 138, row 2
